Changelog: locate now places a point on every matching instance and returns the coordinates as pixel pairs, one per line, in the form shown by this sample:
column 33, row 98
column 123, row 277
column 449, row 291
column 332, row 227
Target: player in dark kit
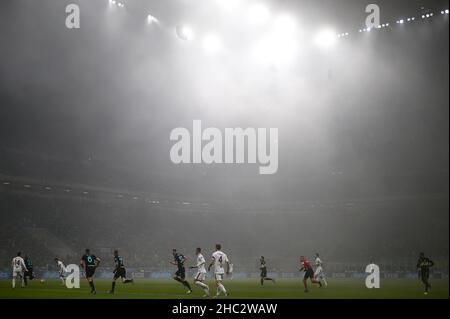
column 29, row 273
column 89, row 262
column 309, row 273
column 423, row 266
column 119, row 272
column 263, row 268
column 180, row 274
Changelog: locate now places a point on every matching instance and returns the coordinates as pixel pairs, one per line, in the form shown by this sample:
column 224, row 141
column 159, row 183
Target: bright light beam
column 212, row 44
column 326, row 38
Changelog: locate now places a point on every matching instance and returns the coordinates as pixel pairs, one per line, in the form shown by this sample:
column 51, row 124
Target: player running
column 423, row 266
column 119, row 272
column 319, row 274
column 219, row 260
column 263, row 268
column 29, row 273
column 309, row 273
column 180, row 274
column 61, row 271
column 199, row 278
column 18, row 269
column 90, row 262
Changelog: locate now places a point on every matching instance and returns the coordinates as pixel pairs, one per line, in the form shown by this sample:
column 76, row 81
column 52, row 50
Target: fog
column 363, row 127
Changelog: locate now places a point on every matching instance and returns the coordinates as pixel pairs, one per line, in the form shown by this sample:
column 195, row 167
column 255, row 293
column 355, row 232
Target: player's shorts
column 62, row 274
column 219, row 277
column 263, row 273
column 17, row 273
column 309, row 274
column 424, row 275
column 181, row 273
column 120, row 273
column 90, row 271
column 200, row 276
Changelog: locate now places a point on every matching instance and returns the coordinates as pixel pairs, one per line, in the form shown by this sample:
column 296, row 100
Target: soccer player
column 18, row 269
column 61, row 271
column 119, row 272
column 180, row 274
column 263, row 269
column 199, row 279
column 309, row 273
column 423, row 266
column 90, row 262
column 29, row 273
column 219, row 260
column 319, row 274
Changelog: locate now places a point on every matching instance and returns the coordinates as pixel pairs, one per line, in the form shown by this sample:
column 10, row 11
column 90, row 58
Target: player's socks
column 113, row 286
column 204, row 287
column 91, row 283
column 324, row 282
column 262, row 281
column 188, row 286
column 221, row 288
column 14, row 283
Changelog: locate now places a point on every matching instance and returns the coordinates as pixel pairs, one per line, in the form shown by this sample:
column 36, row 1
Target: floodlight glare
column 212, row 44
column 326, row 38
column 184, row 32
column 258, row 14
column 151, row 19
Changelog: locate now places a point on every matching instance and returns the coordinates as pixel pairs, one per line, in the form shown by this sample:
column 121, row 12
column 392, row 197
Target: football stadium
column 239, row 149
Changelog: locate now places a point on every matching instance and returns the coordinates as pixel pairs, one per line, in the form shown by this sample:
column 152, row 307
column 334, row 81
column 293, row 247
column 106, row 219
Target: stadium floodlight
column 326, row 38
column 279, row 46
column 152, row 20
column 184, row 32
column 446, row 11
column 212, row 44
column 258, row 14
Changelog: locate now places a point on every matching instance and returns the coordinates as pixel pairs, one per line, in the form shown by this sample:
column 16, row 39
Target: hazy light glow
column 151, row 19
column 212, row 44
column 228, row 5
column 258, row 14
column 326, row 38
column 184, row 32
column 280, row 44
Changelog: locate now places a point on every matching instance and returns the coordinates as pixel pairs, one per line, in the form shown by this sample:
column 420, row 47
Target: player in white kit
column 61, row 271
column 201, row 272
column 221, row 266
column 18, row 269
column 319, row 274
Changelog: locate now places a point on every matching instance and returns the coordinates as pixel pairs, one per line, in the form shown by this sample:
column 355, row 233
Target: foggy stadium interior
column 86, row 117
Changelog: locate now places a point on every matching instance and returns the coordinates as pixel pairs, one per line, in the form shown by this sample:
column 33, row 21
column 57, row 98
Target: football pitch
column 239, row 289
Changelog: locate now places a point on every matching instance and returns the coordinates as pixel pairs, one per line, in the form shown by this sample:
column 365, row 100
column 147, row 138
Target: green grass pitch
column 247, row 289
